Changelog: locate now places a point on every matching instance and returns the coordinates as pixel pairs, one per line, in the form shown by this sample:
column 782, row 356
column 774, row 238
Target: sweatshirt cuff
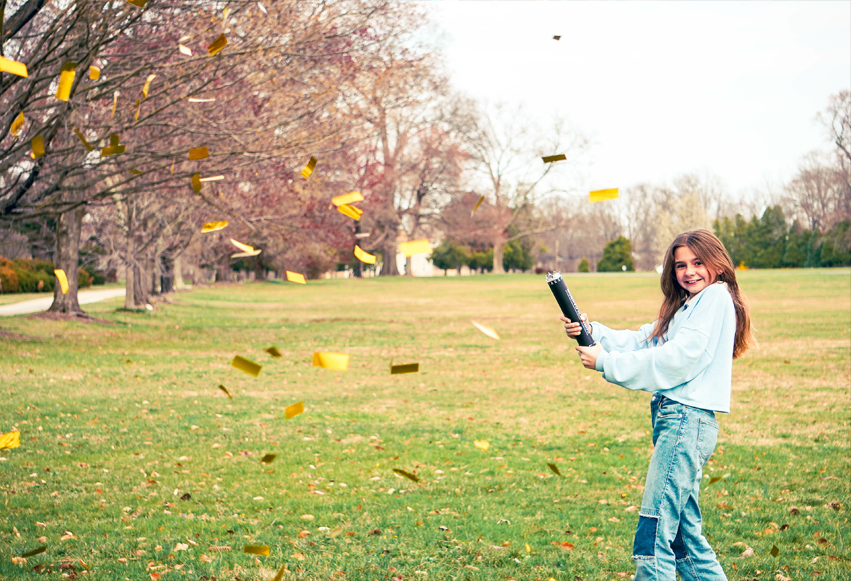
column 601, row 358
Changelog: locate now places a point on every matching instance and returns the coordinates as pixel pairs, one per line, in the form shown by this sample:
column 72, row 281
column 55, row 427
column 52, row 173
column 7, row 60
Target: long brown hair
column 711, row 252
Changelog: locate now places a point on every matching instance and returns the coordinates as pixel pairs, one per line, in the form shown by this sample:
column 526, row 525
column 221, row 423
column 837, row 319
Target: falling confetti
column 294, row 410
column 349, row 198
column 247, row 366
column 273, row 351
column 196, row 100
column 553, row 158
column 308, row 169
column 406, row 474
column 213, row 179
column 268, row 458
column 335, row 361
column 63, row 280
column 600, row 195
column 554, row 468
column 199, row 153
column 415, row 247
column 486, row 330
column 256, row 550
column 244, row 254
column 774, row 551
column 34, row 552
column 557, row 37
column 280, row 575
column 364, row 257
column 476, row 207
column 94, row 73
column 241, row 246
column 114, row 103
column 113, row 148
column 83, row 139
column 295, row 277
column 405, row 368
column 10, row 440
column 224, row 389
column 217, row 45
column 66, row 80
column 37, row 144
column 13, row 67
column 184, row 50
column 482, row 445
column 17, row 123
column 196, row 183
column 350, row 211
column 138, row 3
column 147, row 86
column 213, row 226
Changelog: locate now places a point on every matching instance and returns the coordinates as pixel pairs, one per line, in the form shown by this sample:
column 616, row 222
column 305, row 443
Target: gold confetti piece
column 217, row 45
column 308, row 169
column 241, row 246
column 63, row 280
column 94, row 73
column 224, row 389
column 135, row 171
column 138, row 3
column 66, row 79
column 405, row 368
column 335, row 361
column 415, row 247
column 295, row 277
column 256, row 550
column 280, row 575
column 349, row 198
column 528, row 549
column 138, row 109
column 10, row 440
column 244, row 254
column 364, row 257
column 213, row 179
column 196, row 183
column 476, row 207
column 557, row 37
column 350, row 211
column 482, row 445
column 406, row 474
column 225, row 16
column 554, row 468
column 113, row 148
column 114, row 103
column 600, row 195
column 713, row 480
column 37, row 144
column 147, row 86
column 247, row 366
column 17, row 123
column 184, row 50
column 83, row 139
column 213, row 226
column 267, row 459
column 294, row 410
column 34, row 552
column 273, row 351
column 196, row 100
column 486, row 330
column 774, row 551
column 13, row 67
column 552, row 158
column 199, row 153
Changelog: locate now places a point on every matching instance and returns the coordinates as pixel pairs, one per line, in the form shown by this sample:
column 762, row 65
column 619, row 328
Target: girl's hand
column 589, row 355
column 574, row 329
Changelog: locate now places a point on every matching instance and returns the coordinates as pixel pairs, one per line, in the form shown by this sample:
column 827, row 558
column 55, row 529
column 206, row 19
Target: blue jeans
column 669, row 539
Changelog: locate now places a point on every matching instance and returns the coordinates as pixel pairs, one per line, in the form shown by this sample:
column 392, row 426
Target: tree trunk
column 130, row 260
column 390, row 268
column 409, row 266
column 177, row 273
column 167, row 278
column 68, row 230
column 498, row 246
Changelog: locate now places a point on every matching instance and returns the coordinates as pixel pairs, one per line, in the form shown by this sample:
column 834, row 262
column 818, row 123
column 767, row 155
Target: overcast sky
column 662, row 88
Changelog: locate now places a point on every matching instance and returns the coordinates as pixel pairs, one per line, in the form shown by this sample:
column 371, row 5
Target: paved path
column 40, row 305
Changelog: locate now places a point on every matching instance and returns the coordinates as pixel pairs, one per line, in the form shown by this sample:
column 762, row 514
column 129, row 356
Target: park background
column 133, row 462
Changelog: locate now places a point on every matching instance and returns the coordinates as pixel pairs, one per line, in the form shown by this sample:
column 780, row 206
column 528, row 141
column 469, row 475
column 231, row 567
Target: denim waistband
column 659, row 399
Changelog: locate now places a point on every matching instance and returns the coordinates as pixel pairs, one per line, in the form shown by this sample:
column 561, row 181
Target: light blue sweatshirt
column 694, row 363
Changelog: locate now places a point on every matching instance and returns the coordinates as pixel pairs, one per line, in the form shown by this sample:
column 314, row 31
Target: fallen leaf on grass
column 181, row 547
column 747, row 553
column 482, row 444
column 206, row 559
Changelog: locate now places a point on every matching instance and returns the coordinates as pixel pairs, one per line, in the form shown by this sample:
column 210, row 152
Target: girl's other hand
column 589, row 355
column 574, row 329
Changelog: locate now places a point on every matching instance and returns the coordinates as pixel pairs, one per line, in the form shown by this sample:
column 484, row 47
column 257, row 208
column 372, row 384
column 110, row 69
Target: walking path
column 40, row 305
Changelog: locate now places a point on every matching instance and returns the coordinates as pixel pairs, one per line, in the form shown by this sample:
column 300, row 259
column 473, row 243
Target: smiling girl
column 685, row 359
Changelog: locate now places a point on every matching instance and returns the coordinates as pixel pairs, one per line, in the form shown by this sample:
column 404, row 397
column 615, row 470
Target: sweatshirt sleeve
column 677, row 361
column 625, row 340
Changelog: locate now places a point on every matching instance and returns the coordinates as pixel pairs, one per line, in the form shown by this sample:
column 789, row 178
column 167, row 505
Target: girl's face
column 691, row 273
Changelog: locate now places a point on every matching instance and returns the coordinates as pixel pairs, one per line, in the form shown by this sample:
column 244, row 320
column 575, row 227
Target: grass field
column 135, row 463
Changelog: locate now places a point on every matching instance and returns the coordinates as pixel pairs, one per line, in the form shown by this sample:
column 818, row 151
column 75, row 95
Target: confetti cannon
column 568, row 306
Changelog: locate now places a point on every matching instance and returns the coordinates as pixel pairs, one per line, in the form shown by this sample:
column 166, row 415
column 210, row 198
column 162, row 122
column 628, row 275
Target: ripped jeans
column 669, row 539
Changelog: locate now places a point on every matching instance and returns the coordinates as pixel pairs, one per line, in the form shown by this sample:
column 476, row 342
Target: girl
column 685, row 358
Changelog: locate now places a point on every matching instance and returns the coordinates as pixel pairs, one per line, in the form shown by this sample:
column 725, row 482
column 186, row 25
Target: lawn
column 134, row 465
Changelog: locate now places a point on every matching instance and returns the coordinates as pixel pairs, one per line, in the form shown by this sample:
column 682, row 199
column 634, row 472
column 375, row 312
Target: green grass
column 120, row 421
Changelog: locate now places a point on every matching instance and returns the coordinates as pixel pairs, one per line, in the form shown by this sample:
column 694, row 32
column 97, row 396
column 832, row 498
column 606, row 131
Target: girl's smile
column 691, row 273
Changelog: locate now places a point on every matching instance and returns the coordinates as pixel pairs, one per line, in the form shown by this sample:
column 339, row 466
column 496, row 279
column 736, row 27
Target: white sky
column 662, row 88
